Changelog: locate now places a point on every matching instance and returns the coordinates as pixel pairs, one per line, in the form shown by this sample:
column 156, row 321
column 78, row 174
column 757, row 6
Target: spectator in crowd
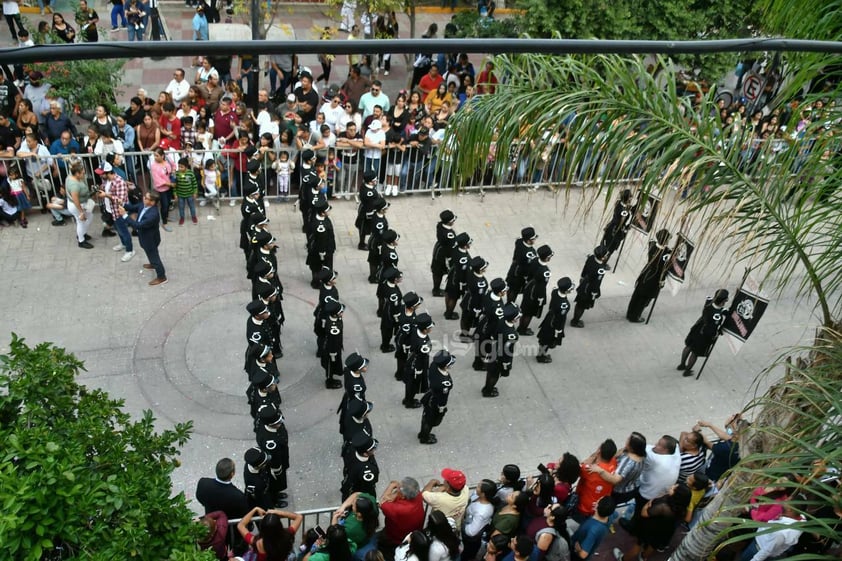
column 478, row 515
column 725, row 453
column 660, row 472
column 487, row 81
column 136, row 15
column 655, row 523
column 403, row 512
column 507, row 520
column 592, row 486
column 591, row 532
column 335, row 546
column 450, row 495
column 444, row 541
column 774, row 540
column 64, row 145
column 56, row 123
column 87, row 20
column 118, row 11
column 274, row 541
column 217, row 532
column 430, row 81
column 178, row 86
column 373, row 97
column 40, row 168
column 11, row 11
column 355, row 86
column 63, row 30
column 692, row 447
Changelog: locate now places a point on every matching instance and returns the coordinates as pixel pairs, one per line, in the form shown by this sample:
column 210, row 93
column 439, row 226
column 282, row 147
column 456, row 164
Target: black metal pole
column 712, row 345
column 620, row 251
column 661, row 280
column 652, row 308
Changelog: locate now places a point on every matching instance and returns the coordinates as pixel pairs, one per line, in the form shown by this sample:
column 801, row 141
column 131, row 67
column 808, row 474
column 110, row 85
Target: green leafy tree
column 77, row 470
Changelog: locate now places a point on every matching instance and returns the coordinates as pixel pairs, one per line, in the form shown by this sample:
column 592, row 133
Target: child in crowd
column 332, row 164
column 18, row 189
column 284, row 167
column 211, row 182
column 8, row 207
column 322, row 173
column 185, row 189
column 188, row 133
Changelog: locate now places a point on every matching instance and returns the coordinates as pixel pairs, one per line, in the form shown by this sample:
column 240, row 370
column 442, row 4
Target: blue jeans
column 118, row 9
column 51, row 4
column 166, row 198
column 749, row 552
column 371, row 164
column 190, row 203
column 123, row 232
column 135, row 34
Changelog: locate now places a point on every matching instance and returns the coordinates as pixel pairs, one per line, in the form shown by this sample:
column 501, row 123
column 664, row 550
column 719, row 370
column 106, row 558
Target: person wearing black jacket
column 403, row 329
column 390, row 301
column 615, row 231
column 361, row 469
column 333, row 344
column 704, row 332
column 491, row 314
column 535, row 290
column 379, row 226
column 251, row 205
column 417, row 361
column 440, row 384
column 220, row 493
column 476, row 286
column 327, row 292
column 256, row 479
column 651, row 278
column 273, row 439
column 590, row 284
column 460, row 267
column 321, row 242
column 442, row 250
column 551, row 331
column 522, row 257
column 502, row 350
column 369, row 199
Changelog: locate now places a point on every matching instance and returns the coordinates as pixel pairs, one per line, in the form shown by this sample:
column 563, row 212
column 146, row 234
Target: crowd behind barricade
column 654, row 492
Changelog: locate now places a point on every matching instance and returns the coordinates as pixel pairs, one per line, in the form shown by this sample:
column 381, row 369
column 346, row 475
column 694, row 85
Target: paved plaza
column 178, row 349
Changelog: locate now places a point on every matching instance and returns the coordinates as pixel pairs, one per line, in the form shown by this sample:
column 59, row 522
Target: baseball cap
column 454, row 478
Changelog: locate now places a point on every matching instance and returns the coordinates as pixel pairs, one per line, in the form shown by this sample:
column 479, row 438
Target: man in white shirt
column 178, row 87
column 374, row 143
column 770, row 543
column 11, row 11
column 660, row 472
column 39, row 165
column 372, row 97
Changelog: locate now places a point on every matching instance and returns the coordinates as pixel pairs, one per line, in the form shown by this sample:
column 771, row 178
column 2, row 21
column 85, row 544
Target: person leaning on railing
column 275, row 541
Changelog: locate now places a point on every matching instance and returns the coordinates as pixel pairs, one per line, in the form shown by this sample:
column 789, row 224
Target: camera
column 543, row 469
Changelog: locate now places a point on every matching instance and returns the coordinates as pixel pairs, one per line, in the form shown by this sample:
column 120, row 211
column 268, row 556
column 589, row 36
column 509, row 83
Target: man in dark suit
column 148, row 232
column 220, row 494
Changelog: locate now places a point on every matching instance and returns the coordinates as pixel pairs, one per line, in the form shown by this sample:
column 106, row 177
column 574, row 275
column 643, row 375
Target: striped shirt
column 690, row 464
column 185, row 183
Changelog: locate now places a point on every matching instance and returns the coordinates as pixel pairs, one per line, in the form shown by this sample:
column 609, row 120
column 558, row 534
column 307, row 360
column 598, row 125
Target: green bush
column 77, row 470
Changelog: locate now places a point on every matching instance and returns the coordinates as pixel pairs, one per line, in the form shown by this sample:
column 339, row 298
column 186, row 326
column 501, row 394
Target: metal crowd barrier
column 412, row 172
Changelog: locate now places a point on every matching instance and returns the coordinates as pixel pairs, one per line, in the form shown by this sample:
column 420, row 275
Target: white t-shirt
column 660, row 472
column 477, row 516
column 178, row 90
column 374, row 137
column 10, row 8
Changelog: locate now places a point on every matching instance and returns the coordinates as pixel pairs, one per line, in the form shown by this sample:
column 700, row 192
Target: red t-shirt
column 402, row 517
column 172, row 125
column 593, row 487
column 262, row 556
column 429, row 84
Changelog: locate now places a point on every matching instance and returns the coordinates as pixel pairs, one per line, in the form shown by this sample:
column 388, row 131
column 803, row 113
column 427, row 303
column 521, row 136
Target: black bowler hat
column 412, row 300
column 444, row 359
column 424, row 321
column 390, row 236
column 511, row 312
column 270, row 414
column 356, row 362
column 333, row 307
column 545, row 252
column 478, row 263
column 463, row 239
column 391, row 273
column 358, row 408
column 381, row 203
column 447, row 216
column 262, row 268
column 528, row 233
column 498, row 285
column 262, row 380
column 369, row 176
column 255, row 457
column 263, row 238
column 256, row 308
column 565, row 284
column 253, row 166
column 326, row 274
column 364, row 443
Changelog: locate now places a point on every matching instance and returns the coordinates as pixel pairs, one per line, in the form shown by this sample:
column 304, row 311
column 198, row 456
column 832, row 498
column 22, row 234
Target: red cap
column 454, row 478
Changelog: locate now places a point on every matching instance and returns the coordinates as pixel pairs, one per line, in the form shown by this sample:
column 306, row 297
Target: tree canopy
column 76, row 471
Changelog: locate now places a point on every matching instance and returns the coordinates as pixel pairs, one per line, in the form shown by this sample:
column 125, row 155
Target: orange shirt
column 593, row 487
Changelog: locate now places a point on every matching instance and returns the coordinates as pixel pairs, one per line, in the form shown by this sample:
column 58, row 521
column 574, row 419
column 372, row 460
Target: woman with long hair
column 555, row 528
column 275, row 541
column 656, row 523
column 541, row 498
column 444, row 543
column 335, row 546
column 565, row 475
column 477, row 516
column 27, row 120
column 361, row 517
column 415, row 547
column 507, row 520
column 62, row 29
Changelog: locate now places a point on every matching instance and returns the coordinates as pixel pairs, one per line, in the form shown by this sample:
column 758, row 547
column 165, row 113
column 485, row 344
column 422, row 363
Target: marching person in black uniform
column 442, row 250
column 590, row 284
column 251, row 205
column 362, row 472
column 354, row 421
column 321, row 241
column 258, row 329
column 388, row 252
column 704, row 332
column 435, row 400
column 403, row 330
column 273, row 440
column 535, row 290
column 551, row 331
column 522, row 257
column 475, row 288
column 264, row 390
column 327, row 292
column 265, row 242
column 332, row 347
column 460, row 267
column 379, row 226
column 269, row 296
column 615, row 231
column 256, row 222
column 260, row 365
column 417, row 361
column 651, row 278
column 367, row 207
column 256, row 479
column 254, row 180
column 390, row 301
column 261, row 277
column 355, row 387
column 310, row 191
column 502, row 350
column 492, row 313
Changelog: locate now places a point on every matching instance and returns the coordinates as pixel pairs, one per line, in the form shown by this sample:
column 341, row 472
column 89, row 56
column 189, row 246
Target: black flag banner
column 747, row 308
column 677, row 272
column 645, row 214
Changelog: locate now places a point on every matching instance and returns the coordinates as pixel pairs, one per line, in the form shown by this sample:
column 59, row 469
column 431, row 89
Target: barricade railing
column 312, row 517
column 427, row 170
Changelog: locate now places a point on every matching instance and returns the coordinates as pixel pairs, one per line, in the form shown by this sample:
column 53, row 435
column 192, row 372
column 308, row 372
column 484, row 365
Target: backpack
column 558, row 550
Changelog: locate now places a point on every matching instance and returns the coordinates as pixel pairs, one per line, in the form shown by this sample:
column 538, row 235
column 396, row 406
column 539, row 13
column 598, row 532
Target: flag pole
column 712, row 345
